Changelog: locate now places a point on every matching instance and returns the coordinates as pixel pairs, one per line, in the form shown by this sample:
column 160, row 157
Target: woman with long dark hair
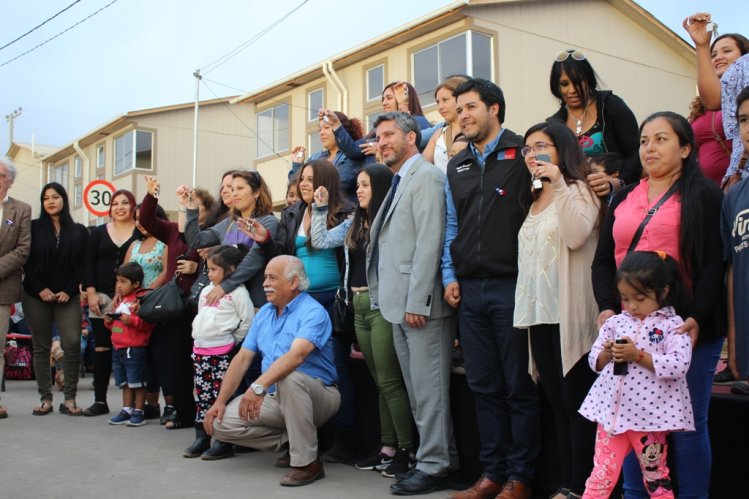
column 52, row 278
column 373, row 333
column 685, row 224
column 600, row 120
column 553, row 298
column 105, row 251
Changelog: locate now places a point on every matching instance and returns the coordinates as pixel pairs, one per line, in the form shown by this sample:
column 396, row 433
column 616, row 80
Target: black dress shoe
column 219, row 450
column 418, row 483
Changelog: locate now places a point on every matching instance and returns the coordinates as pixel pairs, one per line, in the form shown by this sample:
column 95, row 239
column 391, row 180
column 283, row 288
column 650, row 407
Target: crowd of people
column 590, row 258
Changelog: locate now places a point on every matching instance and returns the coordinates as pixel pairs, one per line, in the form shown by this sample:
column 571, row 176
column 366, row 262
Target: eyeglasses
column 564, row 55
column 538, row 146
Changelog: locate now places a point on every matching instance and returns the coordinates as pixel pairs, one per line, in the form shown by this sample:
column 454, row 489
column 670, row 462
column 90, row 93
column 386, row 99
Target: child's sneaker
column 137, row 418
column 121, row 418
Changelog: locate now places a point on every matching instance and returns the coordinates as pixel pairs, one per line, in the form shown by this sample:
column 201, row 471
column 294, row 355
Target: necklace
column 579, row 122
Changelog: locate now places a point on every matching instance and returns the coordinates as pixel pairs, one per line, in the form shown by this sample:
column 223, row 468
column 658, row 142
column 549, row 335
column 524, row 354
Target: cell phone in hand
column 621, row 368
column 543, row 157
column 115, row 316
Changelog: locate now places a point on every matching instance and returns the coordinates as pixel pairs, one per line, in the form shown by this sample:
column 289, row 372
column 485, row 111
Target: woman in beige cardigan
column 554, row 297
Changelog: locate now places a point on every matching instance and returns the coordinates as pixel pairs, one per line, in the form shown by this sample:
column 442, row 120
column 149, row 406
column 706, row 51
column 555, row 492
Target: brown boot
column 303, row 475
column 484, row 488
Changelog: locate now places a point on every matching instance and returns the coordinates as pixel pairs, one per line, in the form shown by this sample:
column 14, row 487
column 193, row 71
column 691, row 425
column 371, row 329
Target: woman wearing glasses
column 600, row 120
column 553, row 297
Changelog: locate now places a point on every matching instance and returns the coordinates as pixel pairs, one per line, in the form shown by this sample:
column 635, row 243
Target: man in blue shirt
column 296, row 392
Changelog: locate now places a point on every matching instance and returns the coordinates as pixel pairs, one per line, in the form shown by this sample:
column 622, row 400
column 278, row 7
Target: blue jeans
column 691, row 451
column 345, row 418
column 496, row 363
column 129, row 366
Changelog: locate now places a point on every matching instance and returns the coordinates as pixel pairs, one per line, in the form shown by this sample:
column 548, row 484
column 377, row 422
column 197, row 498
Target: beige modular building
column 512, row 42
column 29, row 161
column 157, row 141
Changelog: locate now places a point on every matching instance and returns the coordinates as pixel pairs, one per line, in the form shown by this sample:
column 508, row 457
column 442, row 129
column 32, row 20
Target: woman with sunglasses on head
column 328, row 123
column 553, row 298
column 714, row 148
column 52, row 276
column 675, row 209
column 720, row 92
column 600, row 120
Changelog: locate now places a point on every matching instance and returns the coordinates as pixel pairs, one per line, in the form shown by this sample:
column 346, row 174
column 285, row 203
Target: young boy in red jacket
column 130, row 336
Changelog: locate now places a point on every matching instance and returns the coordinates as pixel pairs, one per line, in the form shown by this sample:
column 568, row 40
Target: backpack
column 18, row 360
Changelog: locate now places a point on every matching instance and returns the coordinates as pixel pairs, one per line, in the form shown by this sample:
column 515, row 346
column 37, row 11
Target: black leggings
column 102, row 359
column 159, row 362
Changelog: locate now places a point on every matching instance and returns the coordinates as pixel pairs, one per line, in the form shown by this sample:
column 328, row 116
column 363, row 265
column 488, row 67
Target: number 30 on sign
column 97, row 196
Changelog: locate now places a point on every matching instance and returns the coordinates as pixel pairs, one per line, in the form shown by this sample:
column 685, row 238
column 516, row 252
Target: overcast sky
column 137, row 54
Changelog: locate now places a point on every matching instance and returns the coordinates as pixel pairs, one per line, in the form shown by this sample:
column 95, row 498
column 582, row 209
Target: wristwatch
column 258, row 390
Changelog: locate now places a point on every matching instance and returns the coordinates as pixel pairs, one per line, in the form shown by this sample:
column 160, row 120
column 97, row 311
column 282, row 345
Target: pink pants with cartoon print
column 650, row 448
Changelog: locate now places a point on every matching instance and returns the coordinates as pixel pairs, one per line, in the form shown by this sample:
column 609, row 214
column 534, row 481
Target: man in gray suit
column 15, row 241
column 403, row 272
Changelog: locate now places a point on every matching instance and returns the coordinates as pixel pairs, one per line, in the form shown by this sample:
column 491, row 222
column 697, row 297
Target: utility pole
column 197, row 76
column 10, row 118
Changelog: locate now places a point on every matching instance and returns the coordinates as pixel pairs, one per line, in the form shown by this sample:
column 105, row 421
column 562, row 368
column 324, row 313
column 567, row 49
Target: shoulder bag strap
column 717, row 136
column 652, row 211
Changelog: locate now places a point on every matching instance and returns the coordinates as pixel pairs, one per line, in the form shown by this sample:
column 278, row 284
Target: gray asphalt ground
column 59, row 456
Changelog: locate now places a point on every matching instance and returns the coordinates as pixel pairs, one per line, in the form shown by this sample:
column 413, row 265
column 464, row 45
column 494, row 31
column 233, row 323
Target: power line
column 58, row 34
column 229, row 55
column 36, row 28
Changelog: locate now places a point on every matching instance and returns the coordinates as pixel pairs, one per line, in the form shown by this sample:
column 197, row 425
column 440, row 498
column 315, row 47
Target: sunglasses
column 576, row 55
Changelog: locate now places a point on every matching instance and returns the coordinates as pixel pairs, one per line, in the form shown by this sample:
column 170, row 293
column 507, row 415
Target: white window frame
column 101, row 158
column 134, row 162
column 312, row 110
column 378, row 96
column 273, row 146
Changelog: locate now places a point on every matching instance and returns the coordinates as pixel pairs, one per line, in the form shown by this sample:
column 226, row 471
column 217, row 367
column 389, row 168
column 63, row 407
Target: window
column 375, row 82
column 78, row 194
column 315, row 102
column 313, row 143
column 100, row 156
column 78, row 167
column 372, row 117
column 273, row 131
column 467, row 53
column 133, row 150
column 60, row 174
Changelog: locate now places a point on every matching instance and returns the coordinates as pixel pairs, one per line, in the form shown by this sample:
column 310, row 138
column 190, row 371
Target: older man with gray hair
column 296, row 392
column 15, row 241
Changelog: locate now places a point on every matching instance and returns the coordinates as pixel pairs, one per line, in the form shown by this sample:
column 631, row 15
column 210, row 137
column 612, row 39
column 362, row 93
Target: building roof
column 122, row 120
column 39, row 150
column 435, row 20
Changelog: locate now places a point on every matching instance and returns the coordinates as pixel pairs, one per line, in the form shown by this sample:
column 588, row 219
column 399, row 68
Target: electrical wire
column 232, row 53
column 37, row 27
column 58, row 34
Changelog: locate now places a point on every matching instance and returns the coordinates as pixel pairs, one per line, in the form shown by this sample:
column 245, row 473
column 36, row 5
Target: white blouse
column 537, row 291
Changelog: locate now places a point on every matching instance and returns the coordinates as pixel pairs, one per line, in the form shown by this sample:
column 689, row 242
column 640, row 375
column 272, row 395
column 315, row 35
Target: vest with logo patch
column 491, row 204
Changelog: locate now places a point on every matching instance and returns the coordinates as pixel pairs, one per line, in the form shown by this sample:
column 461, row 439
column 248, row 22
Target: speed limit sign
column 97, row 196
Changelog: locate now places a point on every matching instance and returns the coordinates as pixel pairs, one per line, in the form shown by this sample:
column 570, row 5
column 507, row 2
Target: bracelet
column 182, row 209
column 642, row 354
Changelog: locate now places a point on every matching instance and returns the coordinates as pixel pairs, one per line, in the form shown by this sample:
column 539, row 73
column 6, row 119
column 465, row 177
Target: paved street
column 61, row 456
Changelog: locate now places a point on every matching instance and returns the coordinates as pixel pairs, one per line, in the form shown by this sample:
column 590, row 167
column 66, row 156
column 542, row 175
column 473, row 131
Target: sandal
column 3, row 412
column 70, row 408
column 173, row 424
column 43, row 409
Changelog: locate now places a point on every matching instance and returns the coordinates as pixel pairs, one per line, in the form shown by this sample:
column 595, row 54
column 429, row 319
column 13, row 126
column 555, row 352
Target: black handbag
column 197, row 287
column 343, row 315
column 163, row 304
